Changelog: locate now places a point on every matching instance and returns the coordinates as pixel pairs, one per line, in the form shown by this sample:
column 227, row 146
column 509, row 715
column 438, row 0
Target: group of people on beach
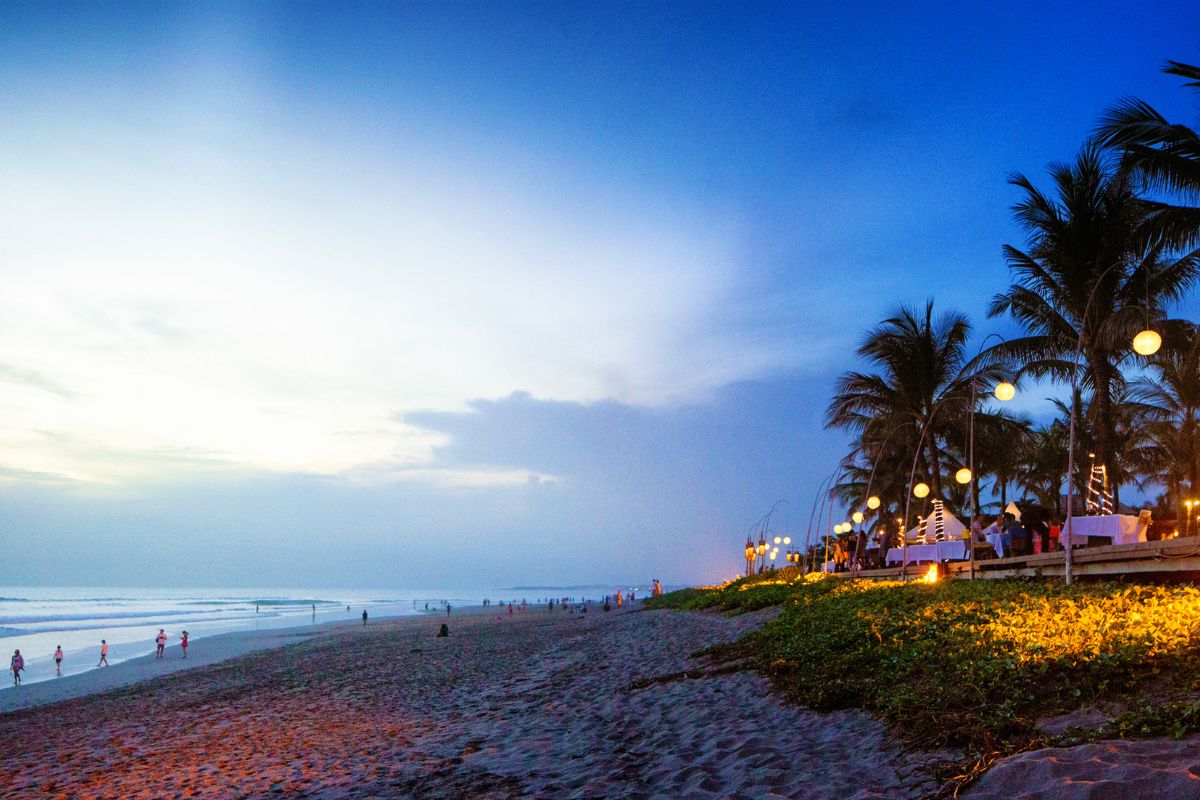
column 160, row 644
column 17, row 664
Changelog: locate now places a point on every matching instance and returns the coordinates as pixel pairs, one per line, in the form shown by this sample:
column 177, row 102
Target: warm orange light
column 931, row 575
column 872, row 502
column 963, row 475
column 921, row 490
column 857, row 516
column 1005, row 391
column 1147, row 343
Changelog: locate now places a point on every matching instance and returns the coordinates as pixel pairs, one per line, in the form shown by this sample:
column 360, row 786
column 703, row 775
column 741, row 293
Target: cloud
column 245, row 291
column 517, row 490
column 33, row 380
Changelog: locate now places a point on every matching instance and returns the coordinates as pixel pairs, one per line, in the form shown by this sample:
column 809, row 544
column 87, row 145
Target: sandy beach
column 1149, row 769
column 537, row 705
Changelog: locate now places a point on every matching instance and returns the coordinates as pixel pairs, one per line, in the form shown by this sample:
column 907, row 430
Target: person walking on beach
column 161, row 642
column 183, row 642
column 364, row 618
column 103, row 654
column 18, row 664
column 58, row 660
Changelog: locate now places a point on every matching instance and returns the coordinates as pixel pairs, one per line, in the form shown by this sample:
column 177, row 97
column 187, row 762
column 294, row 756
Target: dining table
column 1117, row 528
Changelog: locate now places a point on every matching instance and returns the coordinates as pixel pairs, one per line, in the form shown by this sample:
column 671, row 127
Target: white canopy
column 1012, row 509
column 951, row 528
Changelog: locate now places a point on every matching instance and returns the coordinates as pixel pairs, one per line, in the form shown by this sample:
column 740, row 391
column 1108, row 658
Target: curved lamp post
column 1145, row 343
column 1003, row 392
column 874, row 502
column 819, row 510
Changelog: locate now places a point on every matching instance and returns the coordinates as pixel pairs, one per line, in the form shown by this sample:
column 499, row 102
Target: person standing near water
column 161, row 643
column 18, row 664
column 183, row 642
column 58, row 660
column 364, row 618
column 103, row 654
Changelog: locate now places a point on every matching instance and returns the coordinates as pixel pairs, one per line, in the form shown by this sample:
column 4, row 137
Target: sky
column 477, row 294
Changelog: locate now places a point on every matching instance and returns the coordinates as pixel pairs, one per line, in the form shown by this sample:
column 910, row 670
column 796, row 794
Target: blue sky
column 521, row 292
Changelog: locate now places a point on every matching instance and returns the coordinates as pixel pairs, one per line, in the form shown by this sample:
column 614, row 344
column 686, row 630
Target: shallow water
column 35, row 620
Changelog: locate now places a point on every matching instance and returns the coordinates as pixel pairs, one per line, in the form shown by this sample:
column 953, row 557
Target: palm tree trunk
column 1193, row 461
column 935, row 467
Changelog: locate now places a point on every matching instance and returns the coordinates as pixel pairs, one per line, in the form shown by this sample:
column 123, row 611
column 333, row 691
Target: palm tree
column 1000, row 445
column 922, row 383
column 1043, row 463
column 1166, row 155
column 1091, row 274
column 1171, row 395
column 1129, row 434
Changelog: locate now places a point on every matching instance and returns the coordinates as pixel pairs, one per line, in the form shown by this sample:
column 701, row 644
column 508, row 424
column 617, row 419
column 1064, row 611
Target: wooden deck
column 1164, row 558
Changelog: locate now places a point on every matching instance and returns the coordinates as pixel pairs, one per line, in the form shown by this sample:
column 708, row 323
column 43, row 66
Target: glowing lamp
column 963, row 475
column 749, row 551
column 787, row 540
column 857, row 516
column 921, row 490
column 1147, row 342
column 872, row 502
column 777, row 540
column 931, row 576
column 1005, row 391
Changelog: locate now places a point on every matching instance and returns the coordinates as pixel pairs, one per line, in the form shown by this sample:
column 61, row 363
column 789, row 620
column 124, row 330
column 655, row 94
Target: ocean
column 36, row 619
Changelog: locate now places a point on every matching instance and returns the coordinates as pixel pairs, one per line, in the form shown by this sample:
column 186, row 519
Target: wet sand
column 547, row 705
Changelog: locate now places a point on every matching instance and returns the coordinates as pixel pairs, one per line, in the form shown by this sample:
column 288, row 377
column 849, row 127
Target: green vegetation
column 972, row 664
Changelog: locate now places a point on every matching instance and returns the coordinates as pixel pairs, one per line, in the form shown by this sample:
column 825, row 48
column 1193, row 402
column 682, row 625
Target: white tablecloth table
column 828, row 566
column 996, row 540
column 1119, row 528
column 955, row 550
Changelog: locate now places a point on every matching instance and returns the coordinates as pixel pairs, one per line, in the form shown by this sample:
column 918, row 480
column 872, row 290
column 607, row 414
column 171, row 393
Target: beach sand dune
column 547, row 705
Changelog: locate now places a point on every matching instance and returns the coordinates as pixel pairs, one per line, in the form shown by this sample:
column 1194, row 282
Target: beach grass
column 973, row 664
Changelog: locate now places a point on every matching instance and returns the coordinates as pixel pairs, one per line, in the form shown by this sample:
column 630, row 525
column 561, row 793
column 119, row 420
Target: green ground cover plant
column 972, row 664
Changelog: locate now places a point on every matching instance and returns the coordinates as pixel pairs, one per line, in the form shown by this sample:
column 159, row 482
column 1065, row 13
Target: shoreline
column 204, row 652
